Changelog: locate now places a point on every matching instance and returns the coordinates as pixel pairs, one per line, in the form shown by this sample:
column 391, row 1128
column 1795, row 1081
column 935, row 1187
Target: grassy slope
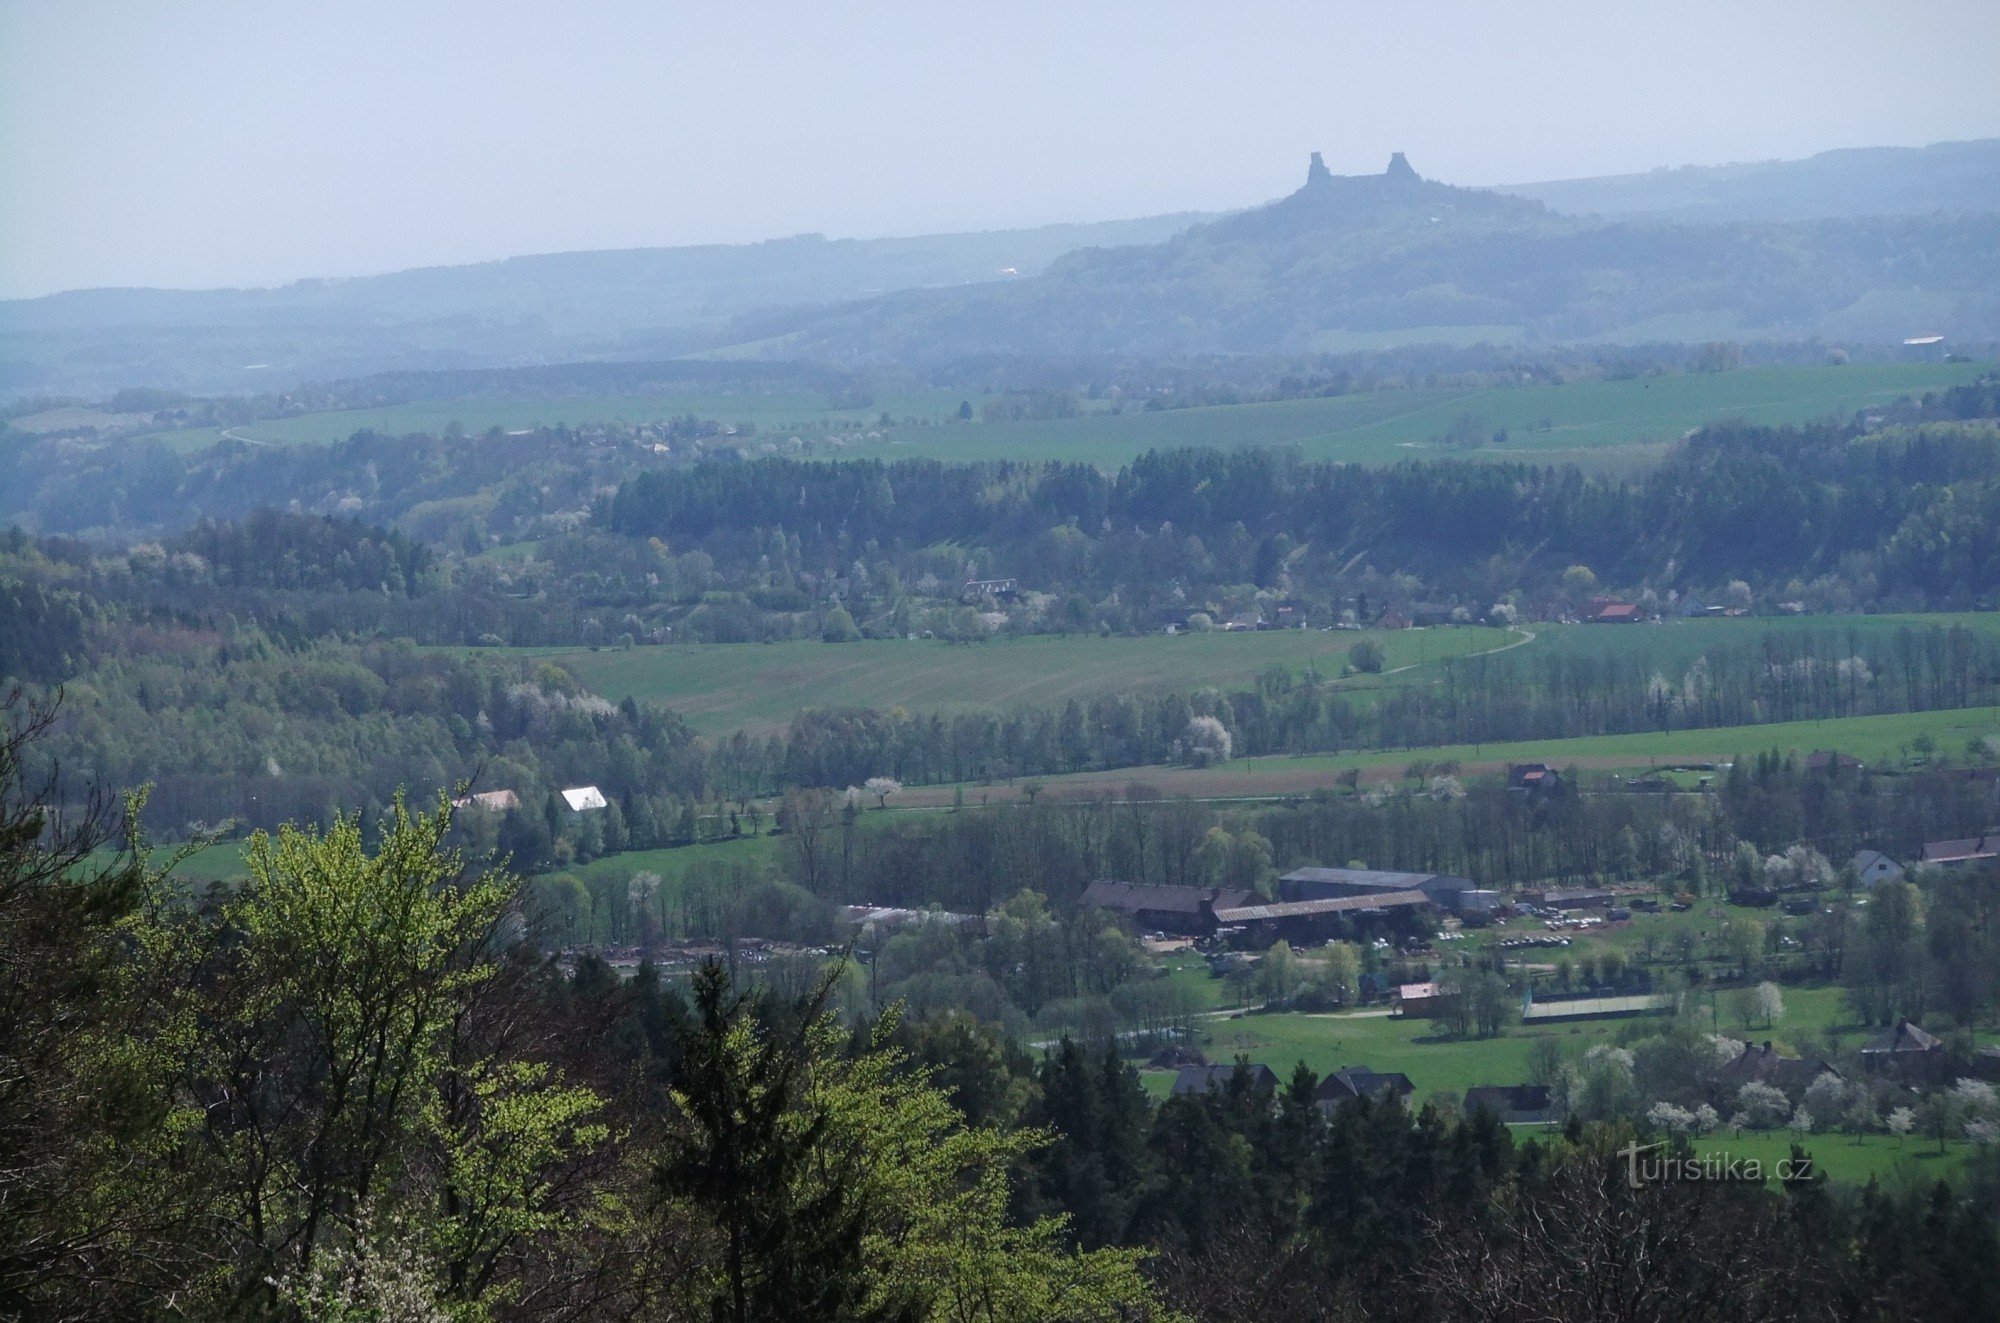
column 725, row 687
column 1568, row 421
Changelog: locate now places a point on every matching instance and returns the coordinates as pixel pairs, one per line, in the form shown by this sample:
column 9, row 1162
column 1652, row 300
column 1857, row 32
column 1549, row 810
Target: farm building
column 1873, row 868
column 1574, row 898
column 1515, row 1104
column 1183, row 911
column 1441, row 889
column 1415, row 1000
column 1205, row 1079
column 582, row 799
column 1533, row 778
column 1593, row 1008
column 1298, row 921
column 1967, row 853
column 1616, row 613
column 1351, row 1082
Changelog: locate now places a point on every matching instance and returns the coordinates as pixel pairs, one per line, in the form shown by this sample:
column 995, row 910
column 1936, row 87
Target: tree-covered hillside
column 1406, row 259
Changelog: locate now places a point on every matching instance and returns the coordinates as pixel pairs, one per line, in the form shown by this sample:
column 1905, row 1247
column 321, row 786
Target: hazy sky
column 205, row 142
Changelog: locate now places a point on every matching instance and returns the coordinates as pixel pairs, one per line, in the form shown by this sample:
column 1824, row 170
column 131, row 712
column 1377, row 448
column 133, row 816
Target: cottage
column 1907, row 1053
column 1873, row 868
column 1761, row 1063
column 1616, row 613
column 1217, row 1079
column 1514, row 1104
column 1181, row 910
column 584, row 799
column 1352, row 1082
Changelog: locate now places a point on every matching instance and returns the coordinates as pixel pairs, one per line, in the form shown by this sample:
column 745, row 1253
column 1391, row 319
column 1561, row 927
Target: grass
column 1849, row 1160
column 760, row 687
column 1596, row 422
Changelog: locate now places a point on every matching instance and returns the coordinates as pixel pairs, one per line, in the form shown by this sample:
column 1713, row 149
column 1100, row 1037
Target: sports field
column 723, row 687
column 1595, row 422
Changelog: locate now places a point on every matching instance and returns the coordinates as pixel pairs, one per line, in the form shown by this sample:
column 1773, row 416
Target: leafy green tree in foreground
column 839, row 1186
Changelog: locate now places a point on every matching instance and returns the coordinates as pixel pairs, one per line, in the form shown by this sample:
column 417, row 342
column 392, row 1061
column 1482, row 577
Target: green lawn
column 1846, row 1159
column 759, row 687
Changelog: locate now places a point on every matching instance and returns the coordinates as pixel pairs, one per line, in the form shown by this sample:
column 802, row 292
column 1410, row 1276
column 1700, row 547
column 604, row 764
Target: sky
column 210, row 142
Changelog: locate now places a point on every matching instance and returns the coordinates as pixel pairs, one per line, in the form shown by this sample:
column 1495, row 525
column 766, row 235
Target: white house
column 581, row 799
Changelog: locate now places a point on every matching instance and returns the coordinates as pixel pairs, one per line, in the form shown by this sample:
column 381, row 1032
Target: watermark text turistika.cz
column 1641, row 1169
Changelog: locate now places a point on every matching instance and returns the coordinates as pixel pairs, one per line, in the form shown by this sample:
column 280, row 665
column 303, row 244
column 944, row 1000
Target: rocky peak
column 1317, row 173
column 1399, row 167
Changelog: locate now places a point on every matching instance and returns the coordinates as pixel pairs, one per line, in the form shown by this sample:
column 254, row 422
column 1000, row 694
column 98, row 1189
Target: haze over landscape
column 1122, row 663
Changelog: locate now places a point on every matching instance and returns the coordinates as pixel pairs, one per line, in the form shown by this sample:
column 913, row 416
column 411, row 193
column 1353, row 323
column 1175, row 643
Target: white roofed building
column 582, row 799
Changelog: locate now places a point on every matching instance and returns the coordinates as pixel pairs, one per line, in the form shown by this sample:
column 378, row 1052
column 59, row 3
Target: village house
column 1907, row 1054
column 1872, row 868
column 1761, row 1063
column 584, row 799
column 1213, row 1078
column 1351, row 1082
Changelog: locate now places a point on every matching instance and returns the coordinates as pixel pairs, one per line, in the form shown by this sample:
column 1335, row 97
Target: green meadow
column 1878, row 739
column 1544, row 423
column 1601, row 423
column 724, row 687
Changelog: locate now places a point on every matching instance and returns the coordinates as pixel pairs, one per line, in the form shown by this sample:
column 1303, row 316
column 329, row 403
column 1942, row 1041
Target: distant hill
column 1375, row 260
column 1873, row 245
column 632, row 303
column 1862, row 181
